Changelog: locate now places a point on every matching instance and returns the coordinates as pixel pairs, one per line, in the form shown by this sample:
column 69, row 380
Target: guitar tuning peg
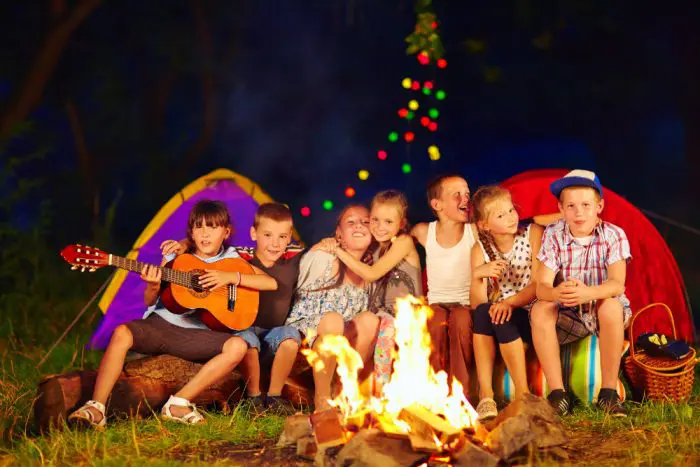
column 73, row 268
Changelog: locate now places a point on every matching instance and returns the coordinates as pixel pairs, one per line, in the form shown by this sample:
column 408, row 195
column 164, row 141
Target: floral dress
column 313, row 300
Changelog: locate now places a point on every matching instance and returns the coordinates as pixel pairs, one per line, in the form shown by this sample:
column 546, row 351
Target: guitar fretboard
column 169, row 275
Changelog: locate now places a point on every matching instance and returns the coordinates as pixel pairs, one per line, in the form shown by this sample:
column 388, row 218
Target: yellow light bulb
column 363, row 174
column 413, row 105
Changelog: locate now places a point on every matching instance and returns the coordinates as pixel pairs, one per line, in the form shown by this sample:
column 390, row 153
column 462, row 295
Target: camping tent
column 652, row 275
column 123, row 298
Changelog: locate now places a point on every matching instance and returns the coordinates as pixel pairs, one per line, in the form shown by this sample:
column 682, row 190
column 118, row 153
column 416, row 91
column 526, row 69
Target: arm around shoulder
column 399, row 249
column 479, row 286
column 258, row 281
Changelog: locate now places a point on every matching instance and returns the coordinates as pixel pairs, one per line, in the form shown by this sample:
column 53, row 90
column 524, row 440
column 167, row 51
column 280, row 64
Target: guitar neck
column 169, row 275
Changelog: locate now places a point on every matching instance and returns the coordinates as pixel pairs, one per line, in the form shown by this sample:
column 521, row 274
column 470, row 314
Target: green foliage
column 425, row 37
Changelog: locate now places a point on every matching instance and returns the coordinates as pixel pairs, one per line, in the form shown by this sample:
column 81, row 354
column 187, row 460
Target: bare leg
column 234, row 350
column 513, row 354
column 366, row 326
column 544, row 337
column 111, row 367
column 282, row 365
column 485, row 356
column 610, row 318
column 331, row 324
column 250, row 366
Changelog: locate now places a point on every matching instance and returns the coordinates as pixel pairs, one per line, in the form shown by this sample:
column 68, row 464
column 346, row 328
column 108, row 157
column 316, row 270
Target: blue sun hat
column 576, row 177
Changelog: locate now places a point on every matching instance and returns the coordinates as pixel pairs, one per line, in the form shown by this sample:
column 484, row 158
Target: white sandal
column 86, row 417
column 190, row 418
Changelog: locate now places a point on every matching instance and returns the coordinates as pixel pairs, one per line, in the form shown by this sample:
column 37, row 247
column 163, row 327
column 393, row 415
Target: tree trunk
column 86, row 165
column 29, row 95
column 204, row 38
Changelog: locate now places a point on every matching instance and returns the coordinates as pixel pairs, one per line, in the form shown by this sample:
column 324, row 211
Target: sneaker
column 609, row 402
column 560, row 401
column 486, row 409
column 257, row 403
column 278, row 404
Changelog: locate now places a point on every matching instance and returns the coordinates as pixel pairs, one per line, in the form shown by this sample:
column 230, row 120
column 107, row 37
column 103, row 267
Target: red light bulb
column 409, row 136
column 425, row 121
column 349, row 192
column 432, row 126
column 442, row 63
column 403, row 113
column 306, row 211
column 381, row 155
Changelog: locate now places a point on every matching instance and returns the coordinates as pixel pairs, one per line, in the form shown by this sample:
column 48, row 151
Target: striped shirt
column 585, row 261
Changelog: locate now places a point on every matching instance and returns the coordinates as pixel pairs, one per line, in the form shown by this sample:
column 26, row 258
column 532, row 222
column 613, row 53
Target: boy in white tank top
column 448, row 242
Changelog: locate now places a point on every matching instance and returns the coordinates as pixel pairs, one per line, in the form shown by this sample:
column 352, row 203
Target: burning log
column 328, row 429
column 428, row 432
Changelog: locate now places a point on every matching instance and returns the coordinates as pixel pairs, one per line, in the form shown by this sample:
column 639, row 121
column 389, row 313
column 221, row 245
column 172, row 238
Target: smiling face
column 501, row 216
column 580, row 207
column 271, row 239
column 353, row 229
column 453, row 202
column 208, row 237
column 385, row 221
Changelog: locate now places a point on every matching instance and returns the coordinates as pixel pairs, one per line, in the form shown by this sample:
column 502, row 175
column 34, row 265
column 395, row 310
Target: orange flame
column 413, row 380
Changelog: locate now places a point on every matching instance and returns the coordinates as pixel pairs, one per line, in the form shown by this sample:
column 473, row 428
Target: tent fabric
column 652, row 275
column 123, row 298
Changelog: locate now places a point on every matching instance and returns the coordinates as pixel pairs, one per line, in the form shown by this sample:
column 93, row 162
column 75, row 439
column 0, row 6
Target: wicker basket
column 660, row 378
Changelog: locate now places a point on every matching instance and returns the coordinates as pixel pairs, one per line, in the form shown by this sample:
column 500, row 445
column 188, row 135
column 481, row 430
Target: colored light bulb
column 434, row 157
column 423, row 58
column 406, row 168
column 442, row 63
column 440, row 95
column 393, row 136
column 328, row 205
column 434, row 113
column 427, row 91
column 381, row 155
column 306, row 211
column 428, row 84
column 349, row 192
column 425, row 121
column 363, row 174
column 415, row 86
column 406, row 83
column 410, row 115
column 403, row 113
column 409, row 136
column 432, row 126
column 413, row 105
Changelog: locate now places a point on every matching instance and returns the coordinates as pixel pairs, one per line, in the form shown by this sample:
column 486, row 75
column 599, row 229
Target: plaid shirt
column 561, row 252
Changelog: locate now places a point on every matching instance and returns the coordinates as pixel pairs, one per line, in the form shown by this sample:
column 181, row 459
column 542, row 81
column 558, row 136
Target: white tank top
column 449, row 269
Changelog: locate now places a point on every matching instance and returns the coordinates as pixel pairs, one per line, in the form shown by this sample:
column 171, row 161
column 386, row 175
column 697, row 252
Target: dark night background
column 146, row 96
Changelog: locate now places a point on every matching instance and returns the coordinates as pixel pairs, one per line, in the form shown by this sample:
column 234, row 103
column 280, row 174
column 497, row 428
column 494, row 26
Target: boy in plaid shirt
column 590, row 258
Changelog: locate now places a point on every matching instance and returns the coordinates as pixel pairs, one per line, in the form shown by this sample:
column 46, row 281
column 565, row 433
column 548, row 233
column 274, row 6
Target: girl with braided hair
column 503, row 268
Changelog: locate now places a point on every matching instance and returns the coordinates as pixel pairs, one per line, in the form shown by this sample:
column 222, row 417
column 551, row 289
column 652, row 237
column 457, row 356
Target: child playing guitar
column 184, row 336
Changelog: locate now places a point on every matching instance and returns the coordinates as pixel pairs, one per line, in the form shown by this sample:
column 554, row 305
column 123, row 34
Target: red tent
column 652, row 276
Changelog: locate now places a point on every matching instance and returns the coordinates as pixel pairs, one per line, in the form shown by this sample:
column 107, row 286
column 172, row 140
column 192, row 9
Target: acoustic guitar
column 220, row 309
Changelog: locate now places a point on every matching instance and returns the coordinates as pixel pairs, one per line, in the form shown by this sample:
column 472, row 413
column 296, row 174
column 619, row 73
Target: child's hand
column 151, row 274
column 493, row 269
column 500, row 312
column 169, row 247
column 212, row 278
column 329, row 245
column 574, row 292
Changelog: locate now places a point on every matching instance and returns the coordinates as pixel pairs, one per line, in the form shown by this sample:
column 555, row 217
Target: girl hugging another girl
column 502, row 291
column 395, row 271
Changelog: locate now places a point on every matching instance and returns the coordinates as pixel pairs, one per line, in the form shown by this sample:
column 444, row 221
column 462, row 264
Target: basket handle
column 636, row 315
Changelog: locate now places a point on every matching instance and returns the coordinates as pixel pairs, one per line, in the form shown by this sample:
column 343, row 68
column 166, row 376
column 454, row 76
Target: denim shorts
column 268, row 339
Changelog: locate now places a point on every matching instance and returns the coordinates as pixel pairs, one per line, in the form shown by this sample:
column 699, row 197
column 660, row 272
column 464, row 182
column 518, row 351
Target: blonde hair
column 396, row 198
column 485, row 196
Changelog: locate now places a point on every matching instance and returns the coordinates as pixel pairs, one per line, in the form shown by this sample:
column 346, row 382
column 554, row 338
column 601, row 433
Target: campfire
column 417, row 418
